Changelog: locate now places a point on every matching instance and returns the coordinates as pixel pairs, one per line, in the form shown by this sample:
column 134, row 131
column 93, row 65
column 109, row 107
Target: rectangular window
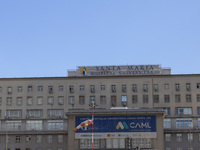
column 188, row 98
column 34, row 113
column 179, row 137
column 102, row 100
column 60, row 88
column 50, row 100
column 9, row 90
column 17, row 139
column 92, row 99
column 156, row 98
column 71, row 100
column 71, row 89
column 145, row 87
column 60, row 100
column 9, row 101
column 19, row 101
column 28, row 138
column 82, row 87
column 123, row 88
column 183, row 111
column 167, row 110
column 177, row 98
column 167, row 123
column 145, row 99
column 190, row 137
column 55, row 113
column 30, row 88
column 19, row 89
column 188, row 88
column 55, row 124
column 13, row 113
column 13, row 125
column 198, row 85
column 113, row 101
column 166, row 98
column 198, row 97
column 60, row 139
column 92, row 88
column 134, row 87
column 39, row 100
column 124, row 98
column 184, row 123
column 0, row 101
column 155, row 87
column 166, row 86
column 40, row 88
column 177, row 87
column 103, row 87
column 134, row 99
column 113, row 88
column 167, row 137
column 34, row 125
column 198, row 122
column 50, row 89
column 82, row 100
column 49, row 138
column 29, row 101
column 39, row 139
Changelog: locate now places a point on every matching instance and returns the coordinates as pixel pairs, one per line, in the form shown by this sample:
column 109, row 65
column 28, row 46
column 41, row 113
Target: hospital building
column 131, row 106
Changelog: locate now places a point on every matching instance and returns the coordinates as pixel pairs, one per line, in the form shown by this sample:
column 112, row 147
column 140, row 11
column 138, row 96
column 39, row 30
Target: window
column 166, row 98
column 17, row 148
column 92, row 88
column 155, row 87
column 168, row 148
column 141, row 142
column 177, row 98
column 198, row 110
column 17, row 139
column 39, row 139
column 92, row 99
column 39, row 100
column 190, row 137
column 198, row 122
column 13, row 113
column 71, row 89
column 60, row 100
column 60, row 88
column 123, row 88
column 81, row 100
column 34, row 113
column 134, row 87
column 19, row 89
column 58, row 113
column 199, row 136
column 102, row 100
column 198, row 85
column 166, row 86
column 87, row 144
column 82, row 87
column 60, row 138
column 71, row 100
column 0, row 89
column 49, row 138
column 145, row 87
column 167, row 137
column 40, row 88
column 13, row 125
column 188, row 86
column 113, row 101
column 145, row 99
column 9, row 101
column 34, row 125
column 55, row 124
column 184, row 123
column 156, row 98
column 183, row 111
column 134, row 99
column 179, row 137
column 167, row 110
column 0, row 101
column 9, row 90
column 29, row 100
column 198, row 97
column 50, row 89
column 50, row 100
column 19, row 101
column 28, row 138
column 177, row 87
column 30, row 88
column 113, row 88
column 179, row 148
column 124, row 100
column 188, row 98
column 103, row 87
column 167, row 123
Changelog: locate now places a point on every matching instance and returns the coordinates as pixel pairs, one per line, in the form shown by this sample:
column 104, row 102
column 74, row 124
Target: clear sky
column 45, row 38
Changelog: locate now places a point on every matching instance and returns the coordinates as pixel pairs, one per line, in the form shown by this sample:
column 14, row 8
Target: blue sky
column 45, row 38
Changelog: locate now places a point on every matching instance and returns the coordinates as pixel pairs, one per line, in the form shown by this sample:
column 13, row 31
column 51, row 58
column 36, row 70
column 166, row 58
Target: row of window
column 180, row 148
column 36, row 149
column 34, row 125
column 39, row 139
column 102, row 88
column 179, row 137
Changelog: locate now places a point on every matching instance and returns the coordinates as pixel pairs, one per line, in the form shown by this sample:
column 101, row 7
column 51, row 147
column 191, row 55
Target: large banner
column 118, row 126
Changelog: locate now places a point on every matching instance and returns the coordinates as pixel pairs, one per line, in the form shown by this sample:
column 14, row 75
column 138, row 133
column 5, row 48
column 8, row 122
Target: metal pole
column 92, row 124
column 6, row 139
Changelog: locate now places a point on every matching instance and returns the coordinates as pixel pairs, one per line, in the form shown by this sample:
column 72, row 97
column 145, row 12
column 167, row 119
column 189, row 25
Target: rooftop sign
column 119, row 70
